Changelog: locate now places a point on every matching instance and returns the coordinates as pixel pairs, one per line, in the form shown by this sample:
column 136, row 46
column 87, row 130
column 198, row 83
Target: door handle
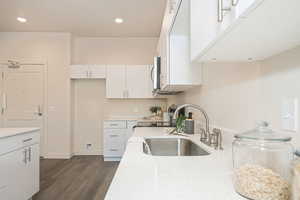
column 4, row 103
column 39, row 111
column 221, row 10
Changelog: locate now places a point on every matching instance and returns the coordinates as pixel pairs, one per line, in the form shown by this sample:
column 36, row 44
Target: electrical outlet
column 289, row 114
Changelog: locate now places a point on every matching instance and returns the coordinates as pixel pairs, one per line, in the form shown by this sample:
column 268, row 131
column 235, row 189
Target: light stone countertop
column 145, row 177
column 8, row 132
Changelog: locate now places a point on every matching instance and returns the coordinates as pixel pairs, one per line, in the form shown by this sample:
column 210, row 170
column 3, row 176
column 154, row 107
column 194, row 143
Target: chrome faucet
column 211, row 139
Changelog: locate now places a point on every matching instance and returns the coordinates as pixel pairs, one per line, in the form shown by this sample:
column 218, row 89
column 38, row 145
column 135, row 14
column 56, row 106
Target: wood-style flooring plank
column 79, row 178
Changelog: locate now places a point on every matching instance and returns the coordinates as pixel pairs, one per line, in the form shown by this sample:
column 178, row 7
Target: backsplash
column 237, row 95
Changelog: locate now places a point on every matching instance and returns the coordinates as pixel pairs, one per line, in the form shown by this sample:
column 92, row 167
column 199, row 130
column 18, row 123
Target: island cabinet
column 19, row 166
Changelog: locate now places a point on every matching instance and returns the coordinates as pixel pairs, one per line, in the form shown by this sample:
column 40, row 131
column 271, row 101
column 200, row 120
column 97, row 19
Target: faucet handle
column 203, row 135
column 218, row 138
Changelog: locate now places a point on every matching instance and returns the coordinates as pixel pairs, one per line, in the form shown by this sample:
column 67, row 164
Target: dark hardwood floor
column 80, row 178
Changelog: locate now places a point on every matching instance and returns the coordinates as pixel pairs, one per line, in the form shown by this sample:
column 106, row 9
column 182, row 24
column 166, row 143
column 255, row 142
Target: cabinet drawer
column 113, row 152
column 115, row 124
column 114, row 137
column 113, row 146
column 12, row 143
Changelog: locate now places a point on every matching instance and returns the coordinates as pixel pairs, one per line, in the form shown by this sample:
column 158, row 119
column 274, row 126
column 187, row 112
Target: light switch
column 289, row 114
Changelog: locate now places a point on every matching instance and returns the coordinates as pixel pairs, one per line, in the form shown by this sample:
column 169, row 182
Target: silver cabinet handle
column 25, row 156
column 234, row 2
column 221, row 10
column 29, row 152
column 113, row 136
column 27, row 140
column 113, row 149
column 87, row 74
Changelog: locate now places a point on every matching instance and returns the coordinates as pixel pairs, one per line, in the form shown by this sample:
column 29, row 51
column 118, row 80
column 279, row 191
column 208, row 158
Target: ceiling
column 95, row 18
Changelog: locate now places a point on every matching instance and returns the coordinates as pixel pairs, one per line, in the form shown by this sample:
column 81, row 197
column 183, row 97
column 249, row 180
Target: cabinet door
column 97, row 71
column 13, row 175
column 137, row 79
column 116, row 81
column 79, row 71
column 204, row 25
column 33, row 169
column 244, row 8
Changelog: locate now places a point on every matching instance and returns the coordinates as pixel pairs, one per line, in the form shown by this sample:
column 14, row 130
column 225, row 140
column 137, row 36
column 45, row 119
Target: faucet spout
column 207, row 132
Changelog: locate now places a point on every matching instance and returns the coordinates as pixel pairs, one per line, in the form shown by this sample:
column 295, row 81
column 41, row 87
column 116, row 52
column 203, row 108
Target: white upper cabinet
column 88, row 71
column 243, row 30
column 97, row 71
column 132, row 81
column 116, row 81
column 137, row 79
column 178, row 73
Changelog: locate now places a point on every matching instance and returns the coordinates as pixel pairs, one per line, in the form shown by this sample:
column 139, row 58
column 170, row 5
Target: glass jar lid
column 264, row 133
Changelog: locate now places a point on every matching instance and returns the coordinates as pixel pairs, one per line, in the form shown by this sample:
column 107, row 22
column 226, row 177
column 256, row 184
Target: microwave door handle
column 152, row 79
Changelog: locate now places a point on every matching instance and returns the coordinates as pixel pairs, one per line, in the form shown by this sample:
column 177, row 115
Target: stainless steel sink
column 172, row 147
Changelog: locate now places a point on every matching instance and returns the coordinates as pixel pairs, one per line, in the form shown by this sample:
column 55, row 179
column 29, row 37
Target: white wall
column 93, row 50
column 54, row 48
column 236, row 95
column 280, row 78
column 89, row 102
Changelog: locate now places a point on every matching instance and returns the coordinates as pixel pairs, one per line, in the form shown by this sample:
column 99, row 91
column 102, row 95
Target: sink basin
column 172, row 147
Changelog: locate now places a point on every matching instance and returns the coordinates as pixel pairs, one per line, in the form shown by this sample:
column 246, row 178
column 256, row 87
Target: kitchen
column 89, row 81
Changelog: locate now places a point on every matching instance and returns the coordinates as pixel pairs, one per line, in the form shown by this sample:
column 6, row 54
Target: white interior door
column 23, row 98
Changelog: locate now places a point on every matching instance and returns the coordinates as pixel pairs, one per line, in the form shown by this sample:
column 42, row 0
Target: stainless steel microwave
column 155, row 77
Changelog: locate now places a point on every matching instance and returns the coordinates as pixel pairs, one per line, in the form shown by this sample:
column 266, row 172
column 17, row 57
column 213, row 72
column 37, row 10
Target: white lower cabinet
column 115, row 136
column 19, row 172
column 114, row 142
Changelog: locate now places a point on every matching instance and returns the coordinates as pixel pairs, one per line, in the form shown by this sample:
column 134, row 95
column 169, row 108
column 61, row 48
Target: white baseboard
column 57, row 156
column 88, row 153
column 112, row 159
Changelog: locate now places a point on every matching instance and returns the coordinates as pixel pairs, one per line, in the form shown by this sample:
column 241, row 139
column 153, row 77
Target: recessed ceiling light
column 119, row 20
column 22, row 19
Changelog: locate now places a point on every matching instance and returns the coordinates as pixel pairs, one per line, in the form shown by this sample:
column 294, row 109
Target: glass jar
column 296, row 177
column 262, row 161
